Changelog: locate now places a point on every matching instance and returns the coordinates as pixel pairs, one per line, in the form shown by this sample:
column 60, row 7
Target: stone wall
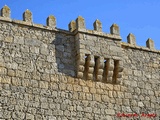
column 47, row 73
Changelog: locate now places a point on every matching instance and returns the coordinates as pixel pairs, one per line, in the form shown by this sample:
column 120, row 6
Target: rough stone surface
column 51, row 21
column 27, row 16
column 39, row 81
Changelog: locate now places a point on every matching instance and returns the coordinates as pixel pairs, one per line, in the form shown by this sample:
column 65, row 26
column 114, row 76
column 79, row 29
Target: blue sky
column 140, row 17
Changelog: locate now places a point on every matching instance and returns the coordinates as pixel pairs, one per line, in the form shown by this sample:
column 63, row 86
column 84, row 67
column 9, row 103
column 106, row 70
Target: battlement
column 50, row 73
column 78, row 25
column 99, row 55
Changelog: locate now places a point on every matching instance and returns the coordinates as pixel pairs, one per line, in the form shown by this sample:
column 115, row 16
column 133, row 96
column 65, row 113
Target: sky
column 139, row 17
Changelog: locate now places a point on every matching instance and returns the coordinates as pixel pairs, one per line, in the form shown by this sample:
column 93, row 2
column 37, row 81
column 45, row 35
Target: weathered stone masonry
column 48, row 73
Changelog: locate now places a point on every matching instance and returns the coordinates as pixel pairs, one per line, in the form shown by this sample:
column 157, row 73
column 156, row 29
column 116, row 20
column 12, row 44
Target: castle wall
column 141, row 77
column 51, row 74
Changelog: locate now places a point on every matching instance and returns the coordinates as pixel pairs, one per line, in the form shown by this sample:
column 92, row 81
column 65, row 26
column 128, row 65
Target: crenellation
column 131, row 39
column 72, row 26
column 150, row 44
column 80, row 23
column 97, row 26
column 27, row 16
column 114, row 29
column 51, row 21
column 51, row 73
column 5, row 12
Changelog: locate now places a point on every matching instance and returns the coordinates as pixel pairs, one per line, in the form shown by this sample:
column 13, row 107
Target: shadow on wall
column 65, row 53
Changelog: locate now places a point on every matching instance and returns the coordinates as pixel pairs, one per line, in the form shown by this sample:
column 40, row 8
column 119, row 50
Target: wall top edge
column 127, row 45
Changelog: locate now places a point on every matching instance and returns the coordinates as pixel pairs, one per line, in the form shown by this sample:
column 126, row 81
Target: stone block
column 110, row 112
column 92, row 90
column 5, row 80
column 18, row 40
column 110, row 94
column 90, row 70
column 62, row 86
column 44, row 51
column 81, row 68
column 128, row 95
column 89, row 76
column 53, row 86
column 77, row 88
column 116, row 87
column 32, row 42
column 140, row 104
column 20, row 73
column 26, row 82
column 81, row 59
column 99, row 77
column 105, row 98
column 8, row 39
column 110, row 73
column 34, row 83
column 89, row 96
column 126, row 102
column 3, row 71
column 45, row 77
column 16, row 81
column 43, row 84
column 29, row 116
column 11, row 73
column 34, row 49
column 85, row 89
column 100, row 72
column 80, row 74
